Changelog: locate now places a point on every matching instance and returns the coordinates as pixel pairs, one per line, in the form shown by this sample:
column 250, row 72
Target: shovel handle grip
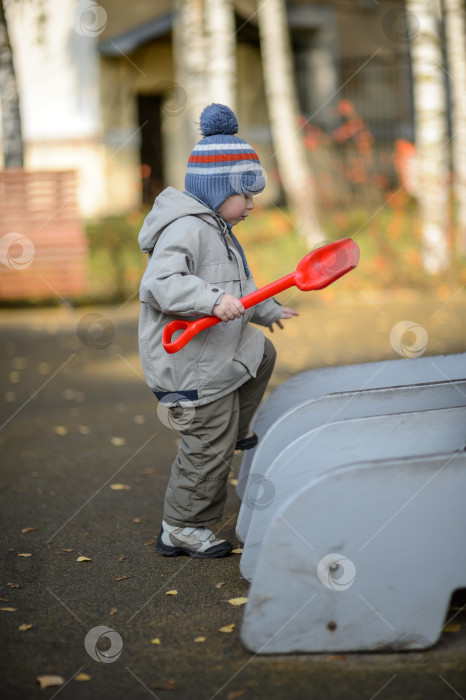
column 189, row 328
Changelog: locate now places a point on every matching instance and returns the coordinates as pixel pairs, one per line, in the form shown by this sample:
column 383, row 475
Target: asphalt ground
column 77, row 420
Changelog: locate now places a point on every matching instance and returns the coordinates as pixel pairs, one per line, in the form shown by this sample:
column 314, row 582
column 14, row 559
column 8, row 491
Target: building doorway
column 149, row 111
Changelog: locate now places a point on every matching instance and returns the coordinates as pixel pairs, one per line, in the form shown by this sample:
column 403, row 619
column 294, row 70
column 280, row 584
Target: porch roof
column 132, row 39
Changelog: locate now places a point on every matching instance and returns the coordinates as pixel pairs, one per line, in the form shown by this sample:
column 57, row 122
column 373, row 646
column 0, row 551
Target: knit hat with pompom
column 222, row 164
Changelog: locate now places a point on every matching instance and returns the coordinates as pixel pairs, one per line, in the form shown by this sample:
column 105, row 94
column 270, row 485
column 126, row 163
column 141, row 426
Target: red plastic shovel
column 315, row 271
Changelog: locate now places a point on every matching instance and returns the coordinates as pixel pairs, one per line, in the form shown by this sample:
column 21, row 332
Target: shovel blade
column 324, row 265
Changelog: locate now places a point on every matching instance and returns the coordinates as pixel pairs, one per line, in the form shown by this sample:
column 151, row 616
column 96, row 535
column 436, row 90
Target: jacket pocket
column 215, row 367
column 219, row 272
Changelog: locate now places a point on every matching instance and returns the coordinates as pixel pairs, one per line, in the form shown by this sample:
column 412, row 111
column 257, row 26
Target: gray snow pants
column 197, row 489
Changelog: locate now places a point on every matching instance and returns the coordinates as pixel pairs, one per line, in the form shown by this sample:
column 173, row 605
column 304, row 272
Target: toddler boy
column 212, row 387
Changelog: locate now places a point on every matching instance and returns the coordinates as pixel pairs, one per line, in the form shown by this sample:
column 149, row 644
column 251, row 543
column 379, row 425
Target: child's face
column 236, row 208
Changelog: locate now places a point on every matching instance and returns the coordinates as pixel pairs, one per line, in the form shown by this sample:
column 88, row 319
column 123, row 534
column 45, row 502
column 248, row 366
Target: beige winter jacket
column 192, row 262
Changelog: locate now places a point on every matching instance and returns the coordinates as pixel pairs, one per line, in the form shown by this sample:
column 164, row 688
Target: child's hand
column 286, row 313
column 229, row 308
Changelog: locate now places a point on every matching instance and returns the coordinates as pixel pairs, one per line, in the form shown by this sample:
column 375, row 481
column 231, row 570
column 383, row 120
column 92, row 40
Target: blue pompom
column 218, row 119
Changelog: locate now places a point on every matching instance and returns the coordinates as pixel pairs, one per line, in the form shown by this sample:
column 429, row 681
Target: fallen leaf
column 121, row 558
column 227, row 628
column 28, row 529
column 147, row 472
column 23, row 628
column 122, row 578
column 84, row 430
column 5, row 600
column 13, row 585
column 155, row 641
column 233, row 482
column 118, row 441
column 136, row 520
column 113, row 611
column 238, row 601
column 140, row 420
column 120, row 487
column 200, row 639
column 169, row 685
column 48, row 681
column 452, row 628
column 61, row 429
column 14, row 377
column 83, row 559
column 9, row 609
column 12, row 549
column 237, row 551
column 25, row 554
column 67, row 550
column 220, row 584
column 233, row 694
column 148, row 543
column 137, row 480
column 82, row 677
column 171, row 592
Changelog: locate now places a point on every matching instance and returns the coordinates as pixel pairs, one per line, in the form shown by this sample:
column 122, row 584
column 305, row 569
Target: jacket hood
column 170, row 205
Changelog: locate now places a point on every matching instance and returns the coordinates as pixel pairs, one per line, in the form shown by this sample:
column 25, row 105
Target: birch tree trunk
column 221, row 47
column 455, row 26
column 191, row 61
column 431, row 135
column 283, row 114
column 11, row 117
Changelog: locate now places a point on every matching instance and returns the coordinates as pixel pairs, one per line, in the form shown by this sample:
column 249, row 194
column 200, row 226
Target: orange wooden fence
column 43, row 248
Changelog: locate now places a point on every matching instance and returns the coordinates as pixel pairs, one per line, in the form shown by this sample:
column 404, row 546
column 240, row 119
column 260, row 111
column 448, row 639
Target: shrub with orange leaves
column 349, row 171
column 345, row 108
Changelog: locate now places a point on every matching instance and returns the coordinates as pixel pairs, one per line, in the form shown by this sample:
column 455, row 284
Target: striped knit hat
column 222, row 164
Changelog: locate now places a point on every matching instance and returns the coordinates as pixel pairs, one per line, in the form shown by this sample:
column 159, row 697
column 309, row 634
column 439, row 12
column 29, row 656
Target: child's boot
column 196, row 542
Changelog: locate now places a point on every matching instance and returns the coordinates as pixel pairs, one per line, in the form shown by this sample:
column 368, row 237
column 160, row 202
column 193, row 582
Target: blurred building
column 99, row 94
